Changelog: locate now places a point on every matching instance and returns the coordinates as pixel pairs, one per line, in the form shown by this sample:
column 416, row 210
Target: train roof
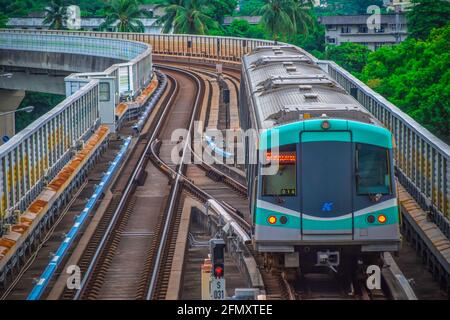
column 286, row 85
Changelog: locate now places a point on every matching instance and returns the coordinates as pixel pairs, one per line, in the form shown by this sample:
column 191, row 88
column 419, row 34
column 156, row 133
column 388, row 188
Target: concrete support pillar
column 9, row 101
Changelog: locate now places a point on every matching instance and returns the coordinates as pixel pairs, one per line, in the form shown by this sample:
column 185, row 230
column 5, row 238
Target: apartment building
column 364, row 29
column 397, row 5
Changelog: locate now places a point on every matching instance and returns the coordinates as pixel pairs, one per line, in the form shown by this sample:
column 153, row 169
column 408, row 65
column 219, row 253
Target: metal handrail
column 422, row 158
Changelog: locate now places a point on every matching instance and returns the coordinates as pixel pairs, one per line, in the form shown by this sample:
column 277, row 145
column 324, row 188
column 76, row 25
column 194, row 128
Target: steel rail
column 204, row 195
column 123, row 200
column 174, row 193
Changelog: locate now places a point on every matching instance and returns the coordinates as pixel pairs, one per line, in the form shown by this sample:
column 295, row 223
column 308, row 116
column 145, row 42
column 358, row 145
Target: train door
column 326, row 185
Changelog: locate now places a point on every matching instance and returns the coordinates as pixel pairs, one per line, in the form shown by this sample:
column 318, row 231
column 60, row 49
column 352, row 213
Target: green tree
column 238, row 28
column 314, row 41
column 43, row 102
column 351, row 56
column 218, row 9
column 247, row 7
column 171, row 8
column 91, row 8
column 426, row 15
column 3, row 20
column 21, row 8
column 415, row 76
column 242, row 29
column 300, row 14
column 56, row 14
column 191, row 19
column 287, row 18
column 188, row 16
column 347, row 7
column 275, row 16
column 126, row 14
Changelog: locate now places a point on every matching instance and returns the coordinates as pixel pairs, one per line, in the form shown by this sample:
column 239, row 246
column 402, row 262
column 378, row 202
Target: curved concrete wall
column 55, row 61
column 39, row 151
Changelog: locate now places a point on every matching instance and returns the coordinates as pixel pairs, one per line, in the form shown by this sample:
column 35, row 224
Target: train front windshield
column 284, row 182
column 372, row 170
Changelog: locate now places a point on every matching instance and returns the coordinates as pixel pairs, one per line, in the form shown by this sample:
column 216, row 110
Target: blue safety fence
column 216, row 149
column 40, row 286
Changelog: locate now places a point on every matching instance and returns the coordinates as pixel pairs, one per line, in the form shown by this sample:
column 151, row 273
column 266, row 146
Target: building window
column 104, row 92
column 331, row 27
column 346, row 29
column 363, row 29
column 379, row 30
column 331, row 40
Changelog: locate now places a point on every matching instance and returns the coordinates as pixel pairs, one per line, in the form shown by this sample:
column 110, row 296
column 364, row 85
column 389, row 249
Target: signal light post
column 217, row 282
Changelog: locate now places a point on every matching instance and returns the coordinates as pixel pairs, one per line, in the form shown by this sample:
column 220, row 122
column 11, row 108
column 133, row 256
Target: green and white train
column 332, row 201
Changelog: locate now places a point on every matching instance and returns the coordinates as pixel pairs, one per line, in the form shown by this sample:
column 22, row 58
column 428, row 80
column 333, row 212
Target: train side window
column 372, row 170
column 284, row 182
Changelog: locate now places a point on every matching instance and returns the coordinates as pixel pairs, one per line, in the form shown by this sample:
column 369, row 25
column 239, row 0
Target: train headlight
column 382, row 218
column 325, row 125
column 272, row 219
column 370, row 219
column 283, row 219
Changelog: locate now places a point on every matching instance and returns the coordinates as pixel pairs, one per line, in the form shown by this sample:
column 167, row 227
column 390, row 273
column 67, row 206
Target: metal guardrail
column 422, row 159
column 38, row 152
column 43, row 281
column 206, row 47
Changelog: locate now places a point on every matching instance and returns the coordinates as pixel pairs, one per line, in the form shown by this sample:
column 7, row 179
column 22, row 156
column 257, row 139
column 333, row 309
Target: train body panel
column 333, row 186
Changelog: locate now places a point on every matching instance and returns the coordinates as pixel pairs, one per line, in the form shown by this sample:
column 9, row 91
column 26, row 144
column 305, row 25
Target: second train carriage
column 333, row 197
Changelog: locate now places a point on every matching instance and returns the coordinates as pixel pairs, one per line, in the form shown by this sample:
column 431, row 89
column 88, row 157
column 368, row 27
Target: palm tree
column 56, row 14
column 186, row 16
column 126, row 14
column 301, row 17
column 170, row 12
column 275, row 16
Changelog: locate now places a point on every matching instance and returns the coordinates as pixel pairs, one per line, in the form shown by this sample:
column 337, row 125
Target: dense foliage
column 56, row 14
column 347, row 7
column 351, row 56
column 188, row 16
column 125, row 16
column 284, row 19
column 426, row 15
column 42, row 102
column 415, row 76
column 22, row 8
column 249, row 7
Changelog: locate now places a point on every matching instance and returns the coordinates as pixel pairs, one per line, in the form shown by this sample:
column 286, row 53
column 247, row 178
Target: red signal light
column 218, row 271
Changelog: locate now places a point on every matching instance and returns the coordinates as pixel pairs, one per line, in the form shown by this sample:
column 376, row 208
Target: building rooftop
column 359, row 19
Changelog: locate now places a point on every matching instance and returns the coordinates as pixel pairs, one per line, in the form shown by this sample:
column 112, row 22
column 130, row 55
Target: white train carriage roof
column 287, row 85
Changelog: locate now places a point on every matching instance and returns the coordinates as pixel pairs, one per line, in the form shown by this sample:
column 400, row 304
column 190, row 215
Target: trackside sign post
column 217, row 283
column 218, row 289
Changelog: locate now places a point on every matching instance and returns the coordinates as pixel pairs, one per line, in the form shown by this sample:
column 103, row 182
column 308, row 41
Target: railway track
column 130, row 253
column 133, row 246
